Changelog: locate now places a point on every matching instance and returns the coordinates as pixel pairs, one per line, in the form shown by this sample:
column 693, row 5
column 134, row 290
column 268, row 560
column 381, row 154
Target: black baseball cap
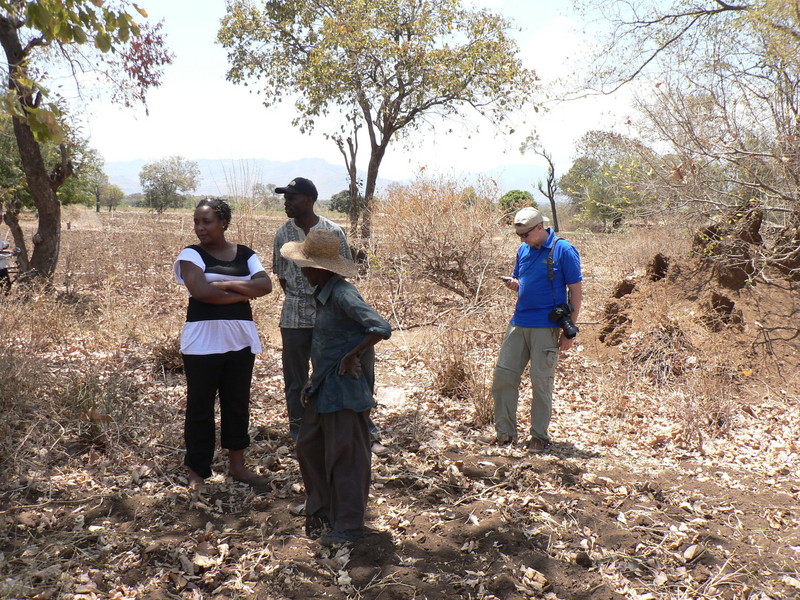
column 299, row 185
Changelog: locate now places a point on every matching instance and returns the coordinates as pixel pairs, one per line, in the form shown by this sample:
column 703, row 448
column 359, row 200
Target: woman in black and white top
column 219, row 341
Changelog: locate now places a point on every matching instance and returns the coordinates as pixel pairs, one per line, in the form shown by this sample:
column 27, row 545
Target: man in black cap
column 297, row 315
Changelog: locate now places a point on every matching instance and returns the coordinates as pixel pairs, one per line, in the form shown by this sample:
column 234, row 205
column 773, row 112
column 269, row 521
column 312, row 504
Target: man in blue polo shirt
column 547, row 274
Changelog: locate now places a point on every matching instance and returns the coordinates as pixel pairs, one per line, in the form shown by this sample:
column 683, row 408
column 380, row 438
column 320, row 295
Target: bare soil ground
column 673, row 472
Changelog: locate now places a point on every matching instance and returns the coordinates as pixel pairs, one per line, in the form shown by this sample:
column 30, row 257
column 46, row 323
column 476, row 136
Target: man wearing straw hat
column 333, row 445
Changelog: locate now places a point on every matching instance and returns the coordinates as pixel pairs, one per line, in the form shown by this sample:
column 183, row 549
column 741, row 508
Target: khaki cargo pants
column 522, row 345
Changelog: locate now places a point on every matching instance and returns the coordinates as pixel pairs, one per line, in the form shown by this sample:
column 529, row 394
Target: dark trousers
column 333, row 450
column 229, row 374
column 295, row 357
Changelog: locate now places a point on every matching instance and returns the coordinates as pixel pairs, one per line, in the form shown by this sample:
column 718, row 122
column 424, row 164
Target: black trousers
column 229, row 374
column 5, row 281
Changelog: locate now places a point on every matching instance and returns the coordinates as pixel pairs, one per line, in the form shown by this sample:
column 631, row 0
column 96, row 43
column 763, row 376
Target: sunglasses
column 525, row 235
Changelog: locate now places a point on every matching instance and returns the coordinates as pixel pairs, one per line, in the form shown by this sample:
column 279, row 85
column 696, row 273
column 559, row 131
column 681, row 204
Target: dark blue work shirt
column 343, row 319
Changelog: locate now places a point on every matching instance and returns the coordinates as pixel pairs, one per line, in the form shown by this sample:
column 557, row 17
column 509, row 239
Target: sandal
column 339, row 538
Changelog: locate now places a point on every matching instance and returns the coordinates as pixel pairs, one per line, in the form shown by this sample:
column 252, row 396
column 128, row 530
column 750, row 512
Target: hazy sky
column 197, row 114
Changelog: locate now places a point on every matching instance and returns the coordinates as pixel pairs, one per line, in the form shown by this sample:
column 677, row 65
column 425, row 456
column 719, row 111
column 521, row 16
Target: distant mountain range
column 220, row 177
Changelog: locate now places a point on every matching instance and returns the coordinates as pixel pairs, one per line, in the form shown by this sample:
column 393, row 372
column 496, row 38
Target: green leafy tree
column 75, row 190
column 12, row 177
column 97, row 184
column 79, row 188
column 589, row 185
column 111, row 196
column 512, row 201
column 165, row 182
column 39, row 37
column 136, row 199
column 340, row 202
column 398, row 62
column 84, row 164
column 13, row 192
column 611, row 180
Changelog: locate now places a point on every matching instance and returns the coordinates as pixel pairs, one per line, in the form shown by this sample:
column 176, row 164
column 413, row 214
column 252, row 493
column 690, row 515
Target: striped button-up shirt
column 299, row 306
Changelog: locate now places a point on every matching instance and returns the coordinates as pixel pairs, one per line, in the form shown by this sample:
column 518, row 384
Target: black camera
column 562, row 316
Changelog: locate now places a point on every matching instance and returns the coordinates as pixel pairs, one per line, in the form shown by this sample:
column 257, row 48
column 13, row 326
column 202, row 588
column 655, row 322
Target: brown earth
column 673, row 473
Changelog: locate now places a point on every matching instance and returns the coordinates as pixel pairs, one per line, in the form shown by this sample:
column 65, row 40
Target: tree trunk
column 552, row 187
column 556, row 226
column 350, row 154
column 375, row 158
column 46, row 240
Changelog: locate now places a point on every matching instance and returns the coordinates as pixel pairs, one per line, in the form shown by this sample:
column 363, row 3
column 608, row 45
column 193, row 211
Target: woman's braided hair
column 220, row 207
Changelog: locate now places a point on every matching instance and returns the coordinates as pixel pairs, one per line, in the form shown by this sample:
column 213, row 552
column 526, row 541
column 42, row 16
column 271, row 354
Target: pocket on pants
column 551, row 357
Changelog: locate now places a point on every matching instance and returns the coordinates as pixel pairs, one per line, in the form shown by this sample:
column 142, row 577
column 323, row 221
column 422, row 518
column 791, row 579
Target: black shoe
column 340, row 538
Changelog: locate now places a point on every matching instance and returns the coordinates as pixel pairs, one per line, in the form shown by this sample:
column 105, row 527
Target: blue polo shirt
column 537, row 295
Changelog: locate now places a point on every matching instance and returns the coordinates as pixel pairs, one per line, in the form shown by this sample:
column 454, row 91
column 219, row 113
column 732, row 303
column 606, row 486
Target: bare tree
column 549, row 186
column 726, row 97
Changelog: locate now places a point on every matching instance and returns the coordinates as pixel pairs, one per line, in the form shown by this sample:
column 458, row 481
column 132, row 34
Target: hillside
column 221, row 177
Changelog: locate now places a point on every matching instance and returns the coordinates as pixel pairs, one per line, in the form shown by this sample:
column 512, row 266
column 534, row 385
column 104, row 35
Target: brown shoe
column 379, row 449
column 501, row 439
column 536, row 445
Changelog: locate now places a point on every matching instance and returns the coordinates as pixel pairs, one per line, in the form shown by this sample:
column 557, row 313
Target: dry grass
column 438, row 235
column 91, row 396
column 434, row 267
column 461, row 364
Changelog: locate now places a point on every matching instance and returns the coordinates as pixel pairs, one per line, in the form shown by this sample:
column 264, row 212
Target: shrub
column 512, row 201
column 431, row 233
column 462, row 371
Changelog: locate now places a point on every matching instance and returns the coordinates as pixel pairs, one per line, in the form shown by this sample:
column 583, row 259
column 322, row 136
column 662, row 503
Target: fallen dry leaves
column 450, row 515
column 628, row 502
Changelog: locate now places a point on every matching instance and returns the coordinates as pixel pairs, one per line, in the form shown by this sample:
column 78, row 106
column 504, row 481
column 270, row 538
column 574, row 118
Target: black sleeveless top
column 237, row 268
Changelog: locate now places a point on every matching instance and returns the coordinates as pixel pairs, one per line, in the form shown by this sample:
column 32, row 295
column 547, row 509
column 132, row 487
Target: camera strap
column 551, row 275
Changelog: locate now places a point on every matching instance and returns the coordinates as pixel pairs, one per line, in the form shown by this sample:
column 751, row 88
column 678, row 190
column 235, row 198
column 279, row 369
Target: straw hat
column 320, row 249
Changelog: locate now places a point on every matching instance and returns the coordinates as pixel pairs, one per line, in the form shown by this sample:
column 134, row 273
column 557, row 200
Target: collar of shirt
column 550, row 239
column 547, row 244
column 323, row 294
